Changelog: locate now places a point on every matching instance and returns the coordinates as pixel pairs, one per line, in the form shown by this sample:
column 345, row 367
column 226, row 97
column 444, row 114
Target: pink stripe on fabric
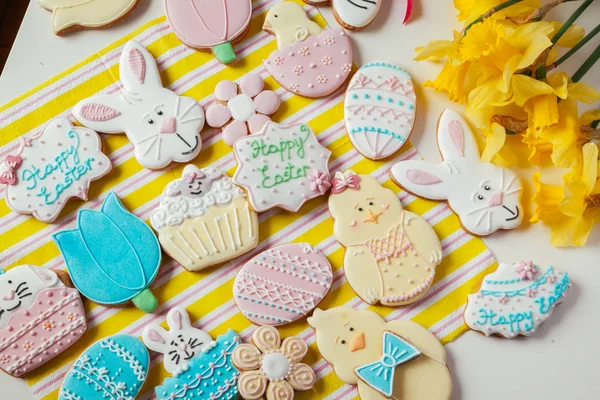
column 448, row 323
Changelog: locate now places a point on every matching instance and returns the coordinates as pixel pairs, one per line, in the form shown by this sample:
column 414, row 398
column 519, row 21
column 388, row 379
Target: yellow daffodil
column 469, row 10
column 452, row 80
column 589, row 116
column 571, row 37
column 573, row 213
column 540, row 150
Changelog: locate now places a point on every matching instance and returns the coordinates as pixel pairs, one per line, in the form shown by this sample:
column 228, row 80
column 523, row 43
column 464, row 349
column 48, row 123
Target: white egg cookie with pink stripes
column 391, row 254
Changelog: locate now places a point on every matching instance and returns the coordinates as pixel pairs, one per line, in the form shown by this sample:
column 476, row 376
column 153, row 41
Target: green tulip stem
column 224, row 53
column 145, row 301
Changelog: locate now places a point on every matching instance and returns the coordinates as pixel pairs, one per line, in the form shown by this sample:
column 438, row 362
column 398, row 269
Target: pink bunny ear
column 421, row 177
column 98, row 112
column 457, row 135
column 177, row 319
column 155, row 336
column 137, row 65
column 44, row 275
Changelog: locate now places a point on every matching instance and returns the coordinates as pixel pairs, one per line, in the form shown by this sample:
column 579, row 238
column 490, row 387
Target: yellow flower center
column 482, row 39
column 594, row 200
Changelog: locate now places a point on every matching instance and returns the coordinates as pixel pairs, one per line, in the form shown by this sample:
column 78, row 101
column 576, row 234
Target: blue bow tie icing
column 380, row 374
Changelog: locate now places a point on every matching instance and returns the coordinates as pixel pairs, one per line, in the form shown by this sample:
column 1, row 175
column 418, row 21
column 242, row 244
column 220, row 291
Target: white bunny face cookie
column 180, row 344
column 486, row 197
column 163, row 126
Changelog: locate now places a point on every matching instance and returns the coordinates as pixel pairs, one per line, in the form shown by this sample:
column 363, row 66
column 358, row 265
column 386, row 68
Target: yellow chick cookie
column 289, row 23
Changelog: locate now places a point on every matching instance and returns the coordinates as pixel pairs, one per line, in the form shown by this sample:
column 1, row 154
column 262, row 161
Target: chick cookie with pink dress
column 311, row 61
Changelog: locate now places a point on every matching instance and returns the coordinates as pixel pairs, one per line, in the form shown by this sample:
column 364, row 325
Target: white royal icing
column 357, row 13
column 486, row 197
column 379, row 109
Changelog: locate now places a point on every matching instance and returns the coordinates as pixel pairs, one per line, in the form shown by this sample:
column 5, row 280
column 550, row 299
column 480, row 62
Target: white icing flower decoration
column 271, row 367
column 239, row 114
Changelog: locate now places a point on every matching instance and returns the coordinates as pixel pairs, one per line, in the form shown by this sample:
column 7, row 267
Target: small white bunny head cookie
column 486, row 197
column 180, row 344
column 163, row 126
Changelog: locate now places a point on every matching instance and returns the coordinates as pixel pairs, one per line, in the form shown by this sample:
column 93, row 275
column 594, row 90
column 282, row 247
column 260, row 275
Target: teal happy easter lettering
column 546, row 303
column 64, row 170
column 517, row 322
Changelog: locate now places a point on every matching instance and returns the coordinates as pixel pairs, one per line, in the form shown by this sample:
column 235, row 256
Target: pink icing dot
column 50, row 294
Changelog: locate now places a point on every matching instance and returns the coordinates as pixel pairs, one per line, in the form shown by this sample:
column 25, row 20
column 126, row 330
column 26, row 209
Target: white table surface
column 557, row 363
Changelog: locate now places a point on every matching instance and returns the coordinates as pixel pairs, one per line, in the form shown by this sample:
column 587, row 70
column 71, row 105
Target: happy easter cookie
column 310, row 61
column 391, row 254
column 210, row 25
column 115, row 367
column 40, row 317
column 204, row 220
column 397, row 359
column 51, row 167
column 486, row 197
column 282, row 166
column 74, row 15
column 379, row 110
column 272, row 368
column 516, row 299
column 113, row 257
column 162, row 126
column 354, row 14
column 282, row 284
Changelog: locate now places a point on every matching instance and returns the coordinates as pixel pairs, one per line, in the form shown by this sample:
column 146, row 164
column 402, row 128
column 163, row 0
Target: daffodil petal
column 559, row 82
column 589, row 116
column 451, row 80
column 488, row 94
column 590, row 166
column 526, row 34
column 571, row 37
column 590, row 217
column 583, row 92
column 562, row 232
column 545, row 110
column 436, row 50
column 525, row 87
column 546, row 200
column 495, row 140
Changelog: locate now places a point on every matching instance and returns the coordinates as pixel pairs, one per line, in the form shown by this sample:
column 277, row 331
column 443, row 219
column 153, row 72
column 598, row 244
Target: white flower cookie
column 204, row 220
column 486, row 197
column 391, row 254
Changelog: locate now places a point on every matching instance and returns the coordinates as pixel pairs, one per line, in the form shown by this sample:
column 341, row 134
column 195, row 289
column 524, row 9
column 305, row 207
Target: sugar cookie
column 310, row 61
column 272, row 368
column 163, row 126
column 391, row 254
column 516, row 299
column 40, row 317
column 51, row 167
column 115, row 367
column 379, row 110
column 204, row 220
column 74, row 15
column 352, row 14
column 113, row 256
column 396, row 359
column 210, row 25
column 282, row 166
column 486, row 197
column 282, row 284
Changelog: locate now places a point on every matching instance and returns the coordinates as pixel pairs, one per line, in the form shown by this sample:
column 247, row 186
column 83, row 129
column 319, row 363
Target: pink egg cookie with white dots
column 40, row 318
column 282, row 284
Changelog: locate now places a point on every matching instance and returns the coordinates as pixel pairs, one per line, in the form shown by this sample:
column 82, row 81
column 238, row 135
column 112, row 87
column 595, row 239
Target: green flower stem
column 587, row 65
column 145, row 301
column 596, row 123
column 571, row 20
column 579, row 45
column 491, row 12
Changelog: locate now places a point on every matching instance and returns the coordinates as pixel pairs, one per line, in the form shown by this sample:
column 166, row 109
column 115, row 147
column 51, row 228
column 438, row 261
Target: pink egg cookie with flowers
column 310, row 61
column 282, row 284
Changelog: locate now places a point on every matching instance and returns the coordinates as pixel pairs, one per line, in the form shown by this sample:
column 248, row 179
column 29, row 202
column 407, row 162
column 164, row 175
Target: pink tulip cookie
column 282, row 166
column 283, row 284
column 310, row 61
column 40, row 317
column 391, row 254
column 272, row 368
column 51, row 167
column 242, row 109
column 204, row 220
column 210, row 25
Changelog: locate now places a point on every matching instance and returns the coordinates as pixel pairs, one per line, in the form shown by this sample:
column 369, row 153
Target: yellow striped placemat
column 208, row 295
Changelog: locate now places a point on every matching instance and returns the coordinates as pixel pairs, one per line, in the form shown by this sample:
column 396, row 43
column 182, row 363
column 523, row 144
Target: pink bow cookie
column 343, row 181
column 9, row 177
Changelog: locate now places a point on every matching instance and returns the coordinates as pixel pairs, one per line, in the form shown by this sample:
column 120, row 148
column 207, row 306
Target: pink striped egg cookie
column 282, row 284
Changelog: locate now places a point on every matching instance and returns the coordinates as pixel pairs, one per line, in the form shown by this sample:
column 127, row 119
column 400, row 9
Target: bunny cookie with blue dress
column 486, row 197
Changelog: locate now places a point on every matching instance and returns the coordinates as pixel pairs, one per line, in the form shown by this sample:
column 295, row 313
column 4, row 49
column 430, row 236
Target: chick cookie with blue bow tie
column 386, row 360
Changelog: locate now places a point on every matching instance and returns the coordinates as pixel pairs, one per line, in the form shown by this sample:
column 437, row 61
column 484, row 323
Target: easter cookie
column 74, row 15
column 272, row 368
column 113, row 257
column 162, row 126
column 379, row 110
column 50, row 168
column 486, row 197
column 310, row 61
column 391, row 254
column 516, row 299
column 40, row 317
column 115, row 367
column 204, row 220
column 242, row 109
column 282, row 166
column 282, row 284
column 210, row 25
column 353, row 14
column 387, row 360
